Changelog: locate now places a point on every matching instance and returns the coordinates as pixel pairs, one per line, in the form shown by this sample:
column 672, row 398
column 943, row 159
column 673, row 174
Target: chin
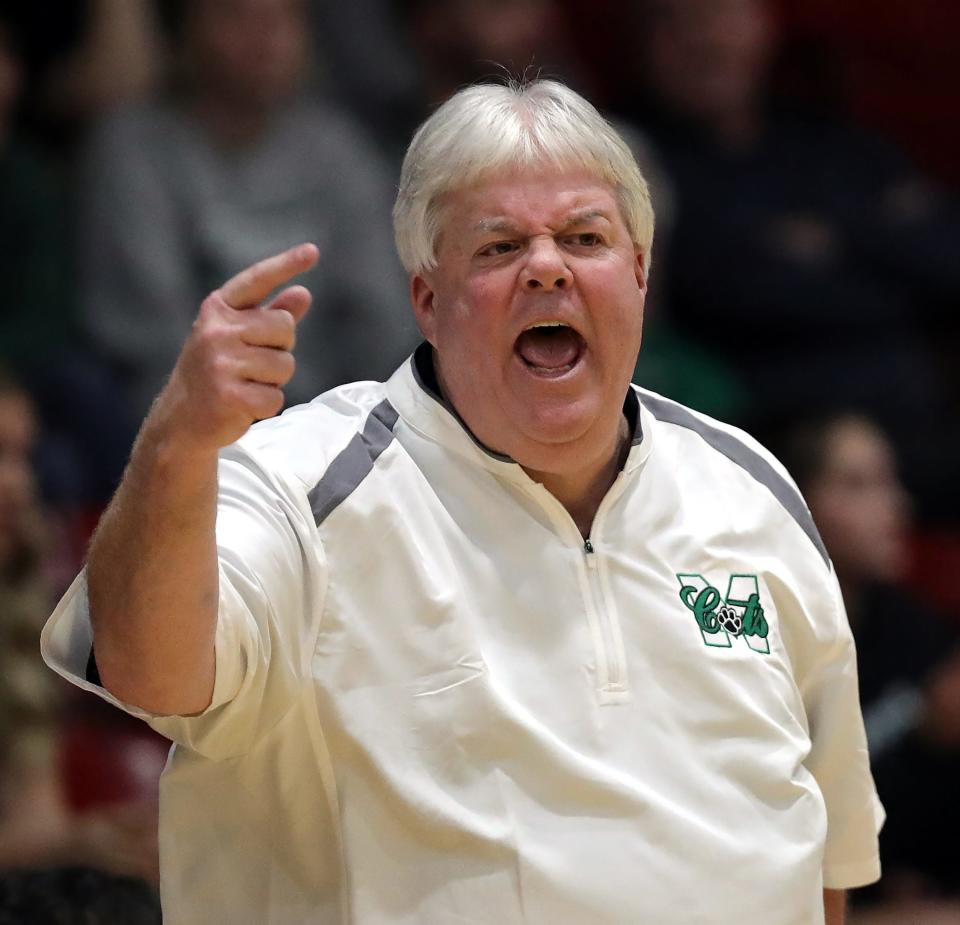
column 558, row 423
column 554, row 443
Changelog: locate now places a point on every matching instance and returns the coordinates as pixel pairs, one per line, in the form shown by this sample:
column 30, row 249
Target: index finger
column 252, row 285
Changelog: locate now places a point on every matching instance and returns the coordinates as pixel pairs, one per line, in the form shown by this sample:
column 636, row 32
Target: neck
column 582, row 490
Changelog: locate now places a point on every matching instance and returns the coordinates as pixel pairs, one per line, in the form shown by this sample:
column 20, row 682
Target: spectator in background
column 26, row 693
column 86, row 431
column 890, row 65
column 233, row 164
column 394, row 61
column 463, row 41
column 367, row 63
column 33, row 262
column 908, row 659
column 82, row 58
column 75, row 896
column 36, row 824
column 805, row 253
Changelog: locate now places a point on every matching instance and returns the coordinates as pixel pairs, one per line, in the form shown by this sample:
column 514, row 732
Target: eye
column 497, row 249
column 585, row 239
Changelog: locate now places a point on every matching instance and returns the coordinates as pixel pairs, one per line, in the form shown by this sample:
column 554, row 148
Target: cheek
column 481, row 290
column 458, row 337
column 620, row 331
column 475, row 323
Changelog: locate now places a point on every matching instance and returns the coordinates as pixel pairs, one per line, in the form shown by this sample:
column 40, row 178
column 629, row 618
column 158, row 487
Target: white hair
column 488, row 128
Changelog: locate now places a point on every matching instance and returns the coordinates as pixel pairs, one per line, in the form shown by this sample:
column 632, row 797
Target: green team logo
column 723, row 619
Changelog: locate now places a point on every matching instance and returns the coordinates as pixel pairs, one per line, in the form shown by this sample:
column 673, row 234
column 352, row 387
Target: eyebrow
column 500, row 225
column 582, row 217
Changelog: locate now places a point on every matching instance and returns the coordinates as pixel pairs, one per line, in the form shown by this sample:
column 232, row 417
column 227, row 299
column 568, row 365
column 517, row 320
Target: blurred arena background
column 804, row 158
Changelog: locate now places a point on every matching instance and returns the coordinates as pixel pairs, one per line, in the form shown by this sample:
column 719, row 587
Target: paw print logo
column 730, row 620
column 721, row 620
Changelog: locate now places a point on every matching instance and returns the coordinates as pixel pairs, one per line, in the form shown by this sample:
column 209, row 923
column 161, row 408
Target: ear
column 424, row 306
column 638, row 270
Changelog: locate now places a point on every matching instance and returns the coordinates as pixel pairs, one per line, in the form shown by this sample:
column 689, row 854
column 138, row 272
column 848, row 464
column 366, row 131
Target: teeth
column 547, row 324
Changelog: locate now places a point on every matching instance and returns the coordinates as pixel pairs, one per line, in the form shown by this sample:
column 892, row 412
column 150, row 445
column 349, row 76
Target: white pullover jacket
column 436, row 704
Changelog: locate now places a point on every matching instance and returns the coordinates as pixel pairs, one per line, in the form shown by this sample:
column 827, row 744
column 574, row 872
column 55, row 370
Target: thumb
column 295, row 300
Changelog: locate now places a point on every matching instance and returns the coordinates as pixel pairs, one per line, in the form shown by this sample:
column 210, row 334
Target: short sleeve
column 839, row 760
column 271, row 583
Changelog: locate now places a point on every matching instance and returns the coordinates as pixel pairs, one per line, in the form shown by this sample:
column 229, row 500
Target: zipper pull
column 588, row 552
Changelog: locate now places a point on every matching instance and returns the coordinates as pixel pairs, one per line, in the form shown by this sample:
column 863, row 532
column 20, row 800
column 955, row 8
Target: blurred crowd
column 806, row 274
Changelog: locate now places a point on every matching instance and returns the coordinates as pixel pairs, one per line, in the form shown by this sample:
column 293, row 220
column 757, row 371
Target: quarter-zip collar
column 414, row 391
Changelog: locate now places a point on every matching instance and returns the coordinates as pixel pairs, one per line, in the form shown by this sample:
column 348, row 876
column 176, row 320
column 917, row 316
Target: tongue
column 549, row 348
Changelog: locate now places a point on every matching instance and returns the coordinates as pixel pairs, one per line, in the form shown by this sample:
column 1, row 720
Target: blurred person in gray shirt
column 235, row 162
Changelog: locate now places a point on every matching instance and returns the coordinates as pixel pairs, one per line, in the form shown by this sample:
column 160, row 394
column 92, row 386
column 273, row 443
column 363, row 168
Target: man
column 448, row 648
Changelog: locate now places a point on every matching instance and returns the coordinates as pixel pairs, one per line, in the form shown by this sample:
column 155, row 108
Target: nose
column 545, row 268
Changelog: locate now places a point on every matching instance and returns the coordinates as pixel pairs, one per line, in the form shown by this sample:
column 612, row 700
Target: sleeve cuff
column 66, row 644
column 851, row 875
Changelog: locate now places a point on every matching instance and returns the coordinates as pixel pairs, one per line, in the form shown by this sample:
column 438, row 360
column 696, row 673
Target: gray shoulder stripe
column 747, row 459
column 354, row 462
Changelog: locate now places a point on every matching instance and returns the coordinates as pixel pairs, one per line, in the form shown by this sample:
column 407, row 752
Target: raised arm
column 152, row 568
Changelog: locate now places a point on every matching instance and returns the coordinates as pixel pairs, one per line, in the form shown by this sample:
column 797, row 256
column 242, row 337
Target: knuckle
column 287, row 334
column 211, row 306
column 200, row 331
column 227, row 393
column 265, row 402
column 281, row 326
column 208, row 333
column 287, row 321
column 219, row 366
column 275, row 402
column 287, row 365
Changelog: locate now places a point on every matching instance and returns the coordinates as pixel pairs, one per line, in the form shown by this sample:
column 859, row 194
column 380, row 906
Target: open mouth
column 550, row 348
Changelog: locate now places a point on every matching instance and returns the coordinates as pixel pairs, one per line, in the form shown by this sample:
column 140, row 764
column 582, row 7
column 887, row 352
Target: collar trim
column 425, row 375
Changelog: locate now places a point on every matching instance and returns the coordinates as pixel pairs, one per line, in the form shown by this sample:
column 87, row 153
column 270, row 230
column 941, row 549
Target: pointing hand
column 233, row 366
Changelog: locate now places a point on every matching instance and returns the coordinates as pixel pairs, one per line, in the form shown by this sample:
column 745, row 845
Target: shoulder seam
column 746, row 458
